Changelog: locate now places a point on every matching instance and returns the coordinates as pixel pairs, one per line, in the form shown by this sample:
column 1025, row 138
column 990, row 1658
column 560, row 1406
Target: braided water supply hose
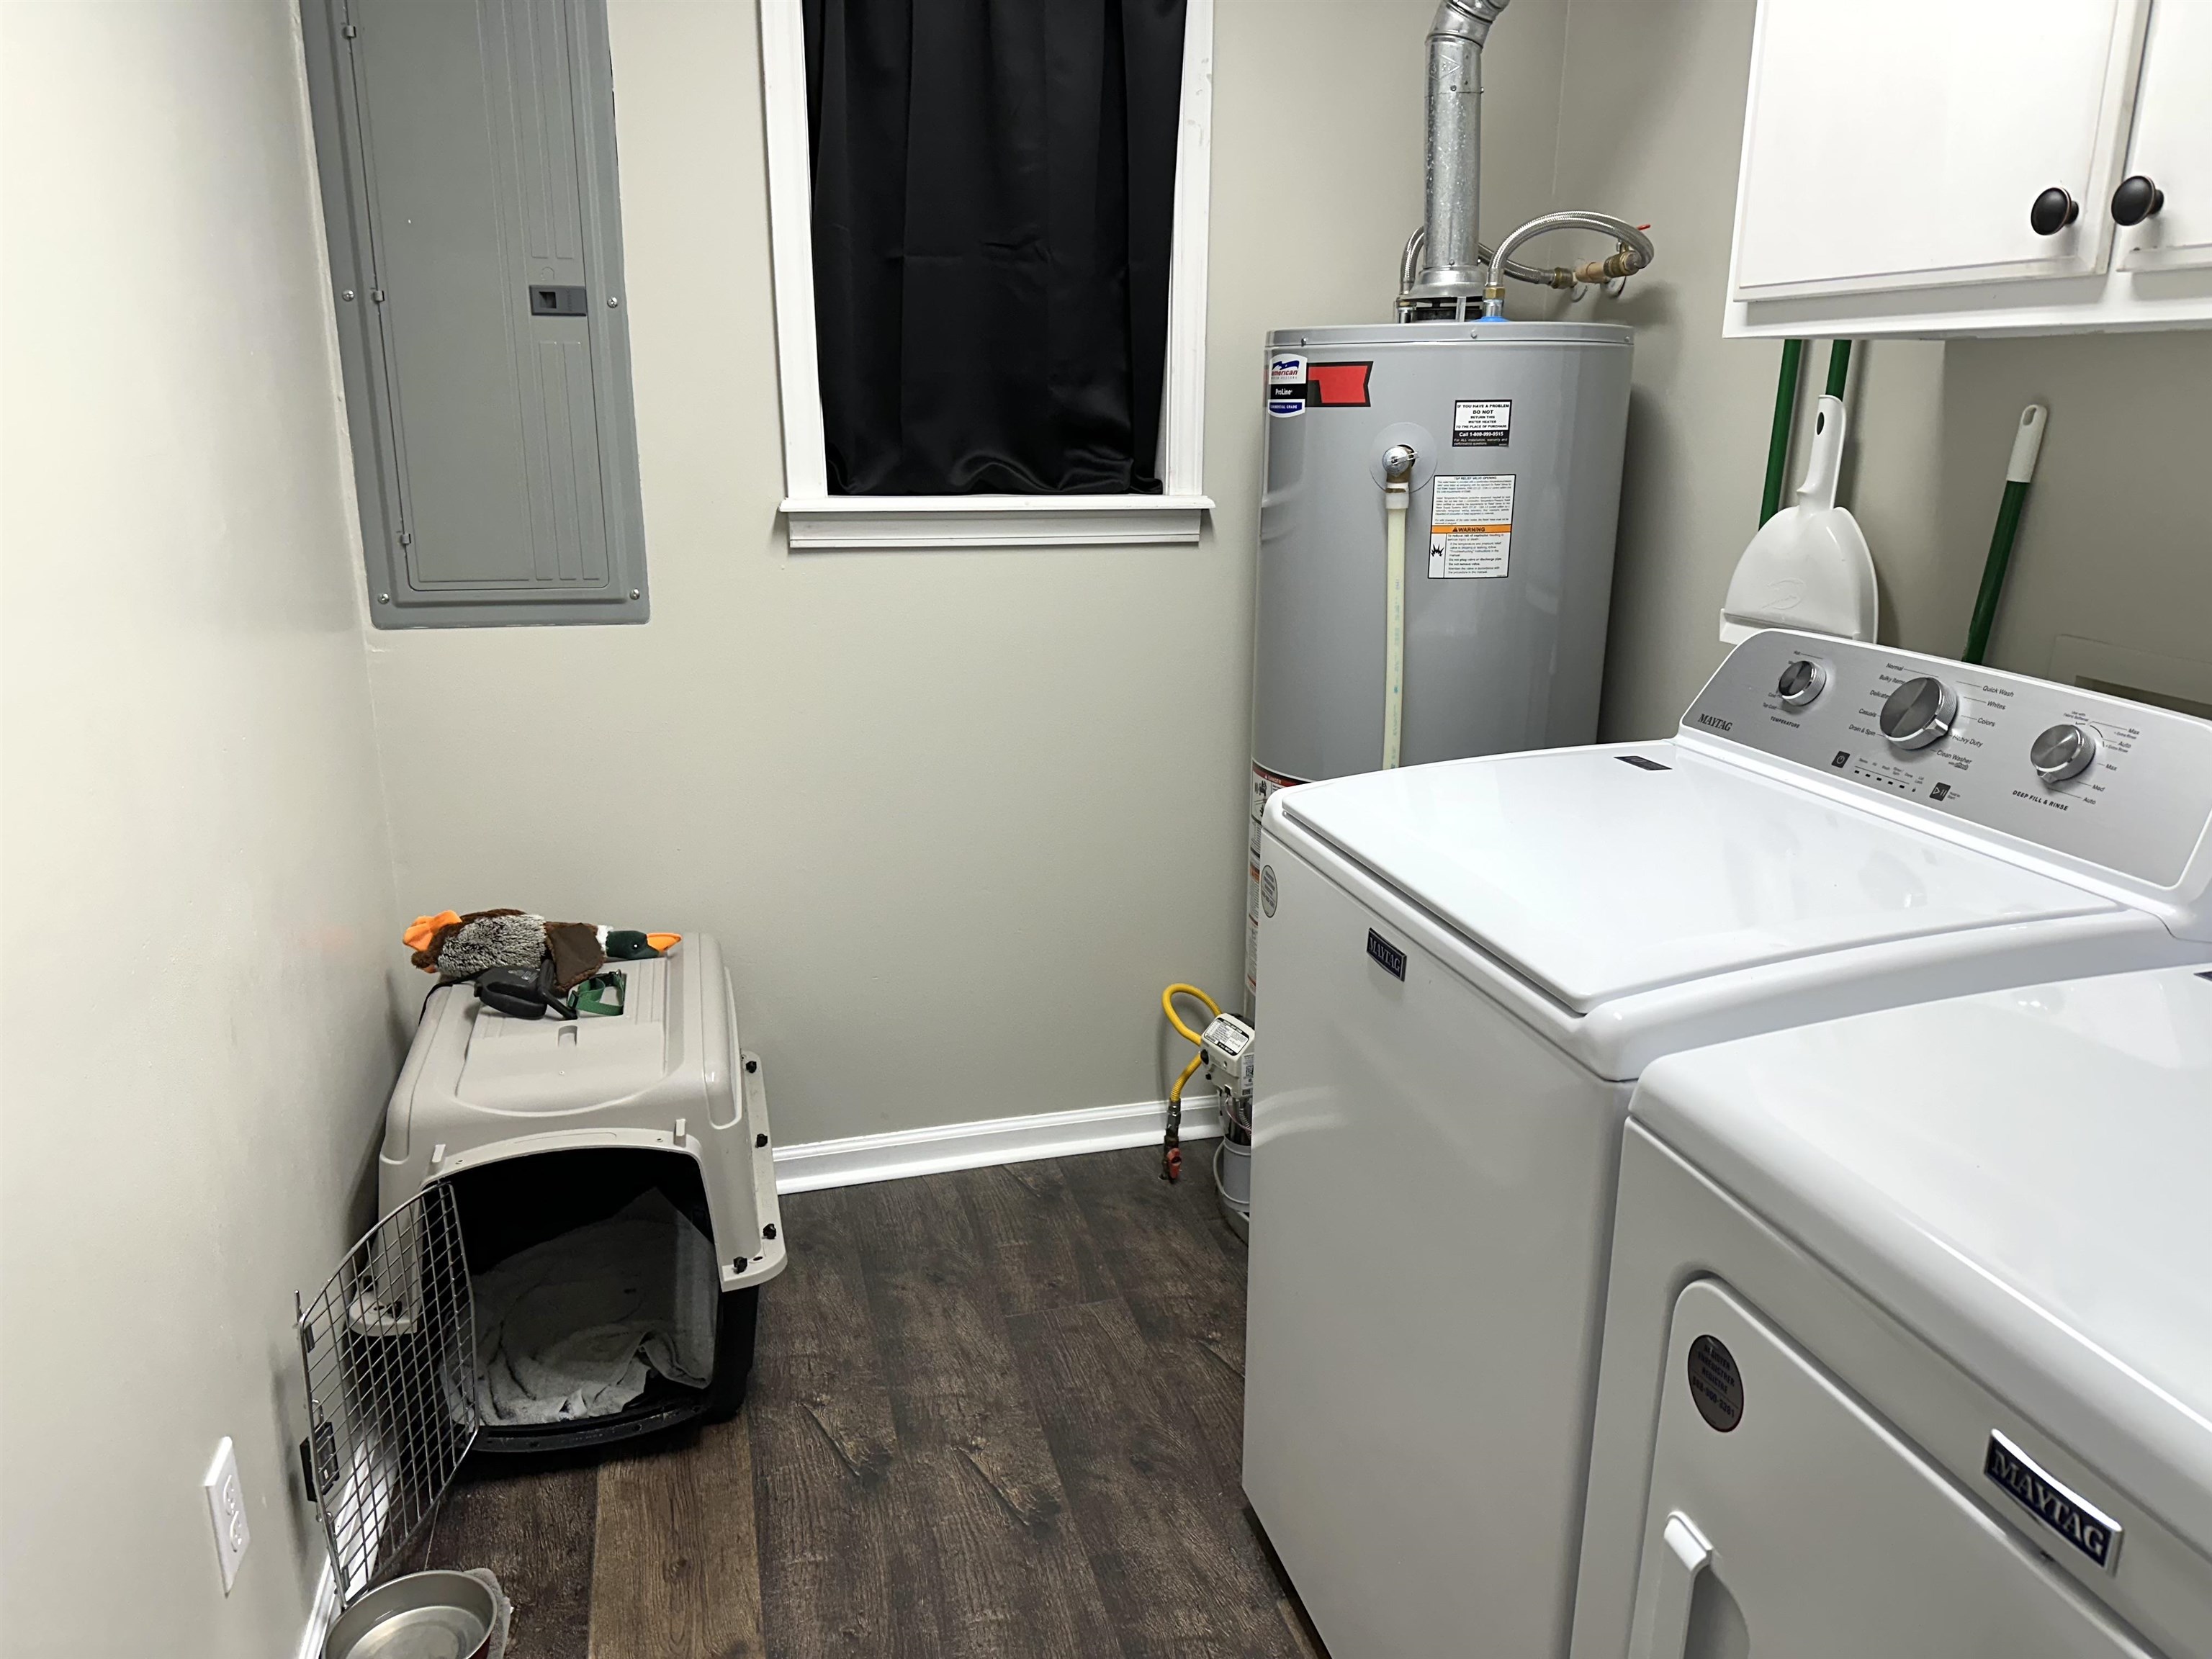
column 1634, row 253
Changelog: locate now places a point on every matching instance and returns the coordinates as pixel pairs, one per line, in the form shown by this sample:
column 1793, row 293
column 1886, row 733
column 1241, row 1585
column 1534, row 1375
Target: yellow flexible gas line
column 1167, row 1005
column 1175, row 1095
column 1171, row 1148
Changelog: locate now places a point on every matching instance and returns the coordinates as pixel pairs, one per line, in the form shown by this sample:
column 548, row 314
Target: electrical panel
column 466, row 150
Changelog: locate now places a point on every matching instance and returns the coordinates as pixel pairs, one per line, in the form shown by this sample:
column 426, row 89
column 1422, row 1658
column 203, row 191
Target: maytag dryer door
column 1786, row 1520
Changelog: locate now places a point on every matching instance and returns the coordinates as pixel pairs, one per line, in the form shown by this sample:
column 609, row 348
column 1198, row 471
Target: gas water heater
column 1437, row 531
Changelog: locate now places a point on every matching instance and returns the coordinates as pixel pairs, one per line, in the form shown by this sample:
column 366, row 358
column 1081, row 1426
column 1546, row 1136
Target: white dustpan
column 1808, row 567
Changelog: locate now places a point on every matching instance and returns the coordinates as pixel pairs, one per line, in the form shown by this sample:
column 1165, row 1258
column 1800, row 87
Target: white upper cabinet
column 2171, row 151
column 1949, row 167
column 1886, row 144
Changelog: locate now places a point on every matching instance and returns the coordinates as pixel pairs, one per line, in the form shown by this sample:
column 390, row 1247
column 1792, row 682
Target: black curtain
column 993, row 200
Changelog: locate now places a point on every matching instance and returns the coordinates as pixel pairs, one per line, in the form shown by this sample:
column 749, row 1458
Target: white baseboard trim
column 860, row 1159
column 322, row 1613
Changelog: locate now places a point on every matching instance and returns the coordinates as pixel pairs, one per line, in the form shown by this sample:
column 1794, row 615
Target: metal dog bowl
column 421, row 1615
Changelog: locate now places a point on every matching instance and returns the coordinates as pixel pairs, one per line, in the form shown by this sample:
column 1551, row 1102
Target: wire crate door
column 390, row 1349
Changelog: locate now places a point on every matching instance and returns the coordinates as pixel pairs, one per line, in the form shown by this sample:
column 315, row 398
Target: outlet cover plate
column 227, row 1509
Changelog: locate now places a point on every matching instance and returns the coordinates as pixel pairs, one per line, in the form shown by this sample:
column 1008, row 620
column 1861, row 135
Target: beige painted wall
column 957, row 816
column 947, row 809
column 2116, row 544
column 197, row 880
column 2113, row 544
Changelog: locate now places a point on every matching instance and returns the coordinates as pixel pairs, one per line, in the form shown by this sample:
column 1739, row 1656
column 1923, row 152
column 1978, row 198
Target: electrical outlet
column 226, row 1508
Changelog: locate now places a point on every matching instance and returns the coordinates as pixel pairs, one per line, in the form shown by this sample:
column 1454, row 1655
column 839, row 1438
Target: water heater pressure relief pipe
column 1397, row 496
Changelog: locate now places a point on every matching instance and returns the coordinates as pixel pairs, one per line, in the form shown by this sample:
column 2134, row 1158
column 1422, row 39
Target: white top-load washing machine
column 1467, row 964
column 1908, row 1346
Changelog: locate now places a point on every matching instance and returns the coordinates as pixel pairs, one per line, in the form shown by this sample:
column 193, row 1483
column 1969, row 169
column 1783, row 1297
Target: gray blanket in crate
column 570, row 1329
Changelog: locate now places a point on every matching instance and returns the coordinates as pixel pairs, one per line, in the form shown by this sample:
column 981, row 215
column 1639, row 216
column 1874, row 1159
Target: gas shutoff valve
column 1226, row 1045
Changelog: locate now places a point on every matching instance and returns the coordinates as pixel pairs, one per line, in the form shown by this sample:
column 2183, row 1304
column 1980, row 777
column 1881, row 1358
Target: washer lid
column 2020, row 1177
column 1597, row 873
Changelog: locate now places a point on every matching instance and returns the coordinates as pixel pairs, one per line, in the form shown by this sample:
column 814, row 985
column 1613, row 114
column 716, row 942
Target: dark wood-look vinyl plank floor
column 994, row 1414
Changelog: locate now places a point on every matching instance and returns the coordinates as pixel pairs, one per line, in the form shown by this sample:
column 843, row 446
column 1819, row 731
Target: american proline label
column 1471, row 526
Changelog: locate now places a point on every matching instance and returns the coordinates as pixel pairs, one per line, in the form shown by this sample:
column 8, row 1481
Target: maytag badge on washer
column 2065, row 1512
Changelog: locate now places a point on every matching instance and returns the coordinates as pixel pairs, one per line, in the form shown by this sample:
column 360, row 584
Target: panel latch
column 557, row 299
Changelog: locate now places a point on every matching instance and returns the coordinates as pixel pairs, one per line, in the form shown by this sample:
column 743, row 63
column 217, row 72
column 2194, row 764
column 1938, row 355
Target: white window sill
column 890, row 521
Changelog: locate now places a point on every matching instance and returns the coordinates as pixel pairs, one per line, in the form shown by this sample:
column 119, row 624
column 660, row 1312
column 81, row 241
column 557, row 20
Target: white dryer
column 1468, row 965
column 1908, row 1349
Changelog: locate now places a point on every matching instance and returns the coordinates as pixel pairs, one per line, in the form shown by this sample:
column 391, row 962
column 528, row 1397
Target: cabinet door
column 1784, row 1519
column 1901, row 143
column 2172, row 145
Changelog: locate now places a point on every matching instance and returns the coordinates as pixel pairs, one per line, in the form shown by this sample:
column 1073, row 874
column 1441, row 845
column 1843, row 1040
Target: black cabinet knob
column 2053, row 211
column 2137, row 200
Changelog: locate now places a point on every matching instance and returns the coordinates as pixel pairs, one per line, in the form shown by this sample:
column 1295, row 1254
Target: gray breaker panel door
column 467, row 156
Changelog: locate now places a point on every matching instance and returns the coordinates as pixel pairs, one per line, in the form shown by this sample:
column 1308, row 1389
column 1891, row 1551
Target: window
column 819, row 519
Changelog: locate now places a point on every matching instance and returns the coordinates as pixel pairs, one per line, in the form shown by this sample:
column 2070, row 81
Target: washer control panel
column 2118, row 784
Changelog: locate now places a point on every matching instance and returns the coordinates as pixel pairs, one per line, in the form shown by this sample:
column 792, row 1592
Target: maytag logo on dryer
column 2067, row 1513
column 1393, row 960
column 1716, row 722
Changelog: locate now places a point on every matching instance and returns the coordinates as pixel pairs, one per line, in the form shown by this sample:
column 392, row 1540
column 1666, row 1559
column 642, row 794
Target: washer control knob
column 1919, row 712
column 2065, row 751
column 1801, row 682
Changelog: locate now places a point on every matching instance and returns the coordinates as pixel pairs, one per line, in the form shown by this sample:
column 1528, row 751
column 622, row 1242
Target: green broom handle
column 1785, row 417
column 2027, row 443
column 1993, row 571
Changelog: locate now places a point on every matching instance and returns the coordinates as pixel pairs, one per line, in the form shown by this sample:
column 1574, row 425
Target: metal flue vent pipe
column 1452, row 262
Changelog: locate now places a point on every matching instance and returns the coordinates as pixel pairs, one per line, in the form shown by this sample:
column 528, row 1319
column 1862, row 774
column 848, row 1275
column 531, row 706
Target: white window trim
column 818, row 519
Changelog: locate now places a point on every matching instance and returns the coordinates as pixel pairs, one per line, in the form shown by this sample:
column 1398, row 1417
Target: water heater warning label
column 1471, row 526
column 1482, row 422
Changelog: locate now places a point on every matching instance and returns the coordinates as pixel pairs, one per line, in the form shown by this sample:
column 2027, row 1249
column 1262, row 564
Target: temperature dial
column 2065, row 751
column 1918, row 713
column 1801, row 682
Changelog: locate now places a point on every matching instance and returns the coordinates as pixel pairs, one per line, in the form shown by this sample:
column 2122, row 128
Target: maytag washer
column 1908, row 1344
column 1468, row 965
